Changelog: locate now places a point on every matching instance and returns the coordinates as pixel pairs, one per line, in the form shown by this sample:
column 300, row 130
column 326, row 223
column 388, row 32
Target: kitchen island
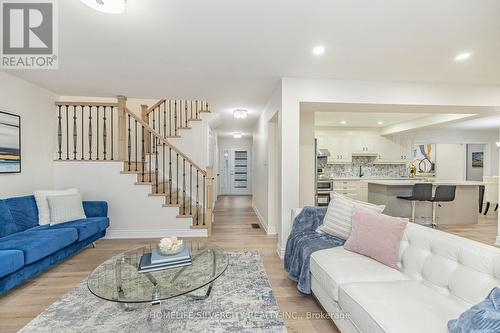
column 463, row 210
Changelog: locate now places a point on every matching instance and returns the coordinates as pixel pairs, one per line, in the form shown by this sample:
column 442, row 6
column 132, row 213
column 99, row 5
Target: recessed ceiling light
column 380, row 122
column 343, row 122
column 240, row 114
column 237, row 135
column 318, row 50
column 463, row 56
column 106, row 6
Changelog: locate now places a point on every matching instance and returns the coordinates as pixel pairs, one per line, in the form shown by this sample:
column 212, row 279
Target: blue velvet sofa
column 27, row 249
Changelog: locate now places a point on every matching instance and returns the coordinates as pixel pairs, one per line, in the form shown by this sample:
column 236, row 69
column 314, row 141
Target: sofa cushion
column 37, row 244
column 336, row 266
column 11, row 261
column 7, row 224
column 24, row 212
column 85, row 227
column 398, row 306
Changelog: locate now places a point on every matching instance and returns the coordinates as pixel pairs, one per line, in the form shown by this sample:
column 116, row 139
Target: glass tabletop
column 118, row 279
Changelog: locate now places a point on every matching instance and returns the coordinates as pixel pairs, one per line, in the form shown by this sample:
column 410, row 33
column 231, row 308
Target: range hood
column 323, row 153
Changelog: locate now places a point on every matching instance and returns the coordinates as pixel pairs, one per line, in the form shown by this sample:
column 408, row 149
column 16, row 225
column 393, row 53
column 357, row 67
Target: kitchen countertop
column 410, row 182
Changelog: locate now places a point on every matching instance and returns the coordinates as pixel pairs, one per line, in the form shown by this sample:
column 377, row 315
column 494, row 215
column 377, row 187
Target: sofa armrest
column 95, row 208
column 295, row 213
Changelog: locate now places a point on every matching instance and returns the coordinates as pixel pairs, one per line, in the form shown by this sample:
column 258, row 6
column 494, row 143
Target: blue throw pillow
column 481, row 318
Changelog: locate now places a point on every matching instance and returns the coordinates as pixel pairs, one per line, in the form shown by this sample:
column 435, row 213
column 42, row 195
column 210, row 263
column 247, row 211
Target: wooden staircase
column 113, row 132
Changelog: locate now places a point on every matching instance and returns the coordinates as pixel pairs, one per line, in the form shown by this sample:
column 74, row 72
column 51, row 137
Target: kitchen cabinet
column 364, row 145
column 355, row 189
column 339, row 150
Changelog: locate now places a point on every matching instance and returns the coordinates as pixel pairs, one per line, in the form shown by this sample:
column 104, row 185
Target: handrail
column 162, row 139
column 63, row 103
column 151, row 109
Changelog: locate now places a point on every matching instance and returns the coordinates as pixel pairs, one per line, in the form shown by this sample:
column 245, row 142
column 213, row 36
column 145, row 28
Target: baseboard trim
column 281, row 252
column 262, row 222
column 497, row 243
column 159, row 233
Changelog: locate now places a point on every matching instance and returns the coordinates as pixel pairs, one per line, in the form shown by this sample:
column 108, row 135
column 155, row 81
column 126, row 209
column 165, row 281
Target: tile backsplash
column 368, row 167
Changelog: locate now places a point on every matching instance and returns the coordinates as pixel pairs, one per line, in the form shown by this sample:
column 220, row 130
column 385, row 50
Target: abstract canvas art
column 477, row 159
column 424, row 159
column 10, row 143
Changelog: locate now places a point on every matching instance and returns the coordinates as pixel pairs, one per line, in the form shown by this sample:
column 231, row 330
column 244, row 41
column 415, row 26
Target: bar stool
column 444, row 193
column 420, row 192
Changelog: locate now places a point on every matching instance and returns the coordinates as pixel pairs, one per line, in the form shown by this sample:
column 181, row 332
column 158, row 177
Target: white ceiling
column 361, row 119
column 233, row 52
column 483, row 123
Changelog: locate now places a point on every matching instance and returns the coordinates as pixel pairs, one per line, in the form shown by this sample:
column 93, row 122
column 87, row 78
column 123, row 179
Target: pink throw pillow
column 377, row 236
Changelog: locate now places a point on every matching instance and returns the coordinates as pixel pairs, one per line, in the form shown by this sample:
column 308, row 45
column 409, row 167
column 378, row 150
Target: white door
column 235, row 171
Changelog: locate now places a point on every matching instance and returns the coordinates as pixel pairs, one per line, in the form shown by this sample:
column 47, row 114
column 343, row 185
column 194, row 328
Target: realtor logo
column 29, row 34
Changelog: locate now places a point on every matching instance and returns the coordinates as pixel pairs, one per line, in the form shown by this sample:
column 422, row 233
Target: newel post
column 145, row 118
column 122, row 128
column 208, row 211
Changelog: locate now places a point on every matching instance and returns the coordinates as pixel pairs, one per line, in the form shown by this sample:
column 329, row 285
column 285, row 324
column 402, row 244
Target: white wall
column 38, row 119
column 260, row 162
column 342, row 91
column 133, row 213
column 307, row 172
column 451, row 136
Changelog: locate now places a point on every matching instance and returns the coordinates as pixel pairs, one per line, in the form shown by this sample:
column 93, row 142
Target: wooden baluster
column 74, row 133
column 67, row 133
column 169, row 118
column 208, row 209
column 150, row 155
column 129, row 143
column 90, row 133
column 122, row 131
column 59, row 134
column 186, row 113
column 83, row 134
column 191, row 110
column 104, row 136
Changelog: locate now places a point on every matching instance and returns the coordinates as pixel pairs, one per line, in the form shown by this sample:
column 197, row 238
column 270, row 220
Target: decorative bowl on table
column 170, row 246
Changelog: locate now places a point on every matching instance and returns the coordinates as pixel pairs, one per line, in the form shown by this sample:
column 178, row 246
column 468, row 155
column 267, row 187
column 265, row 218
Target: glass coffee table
column 118, row 279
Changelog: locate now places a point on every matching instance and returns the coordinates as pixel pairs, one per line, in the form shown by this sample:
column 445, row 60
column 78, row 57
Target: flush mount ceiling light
column 380, row 122
column 318, row 50
column 237, row 135
column 106, row 6
column 463, row 56
column 240, row 114
column 343, row 122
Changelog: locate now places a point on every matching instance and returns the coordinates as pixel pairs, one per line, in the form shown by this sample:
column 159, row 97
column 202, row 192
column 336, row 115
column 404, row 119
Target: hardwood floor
column 232, row 231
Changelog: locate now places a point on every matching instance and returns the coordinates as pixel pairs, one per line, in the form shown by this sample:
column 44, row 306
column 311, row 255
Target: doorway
column 235, row 167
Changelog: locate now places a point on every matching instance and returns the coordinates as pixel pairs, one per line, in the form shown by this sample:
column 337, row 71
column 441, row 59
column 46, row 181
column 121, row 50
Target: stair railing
column 167, row 117
column 170, row 172
column 87, row 131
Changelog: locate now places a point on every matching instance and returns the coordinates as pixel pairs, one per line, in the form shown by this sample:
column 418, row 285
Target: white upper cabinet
column 343, row 144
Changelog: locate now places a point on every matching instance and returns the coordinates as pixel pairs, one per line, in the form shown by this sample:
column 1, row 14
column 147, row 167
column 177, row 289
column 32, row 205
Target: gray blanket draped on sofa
column 302, row 242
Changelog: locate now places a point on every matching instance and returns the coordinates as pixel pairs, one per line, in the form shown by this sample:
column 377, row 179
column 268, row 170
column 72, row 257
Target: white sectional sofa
column 441, row 276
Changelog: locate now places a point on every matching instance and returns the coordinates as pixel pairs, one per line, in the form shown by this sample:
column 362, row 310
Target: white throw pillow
column 338, row 217
column 65, row 208
column 43, row 204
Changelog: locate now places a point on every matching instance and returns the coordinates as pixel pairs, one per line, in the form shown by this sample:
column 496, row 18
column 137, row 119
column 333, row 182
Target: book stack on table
column 155, row 261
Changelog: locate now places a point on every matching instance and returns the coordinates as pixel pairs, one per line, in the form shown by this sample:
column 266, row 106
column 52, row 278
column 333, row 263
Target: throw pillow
column 482, row 317
column 43, row 205
column 65, row 208
column 376, row 235
column 338, row 217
